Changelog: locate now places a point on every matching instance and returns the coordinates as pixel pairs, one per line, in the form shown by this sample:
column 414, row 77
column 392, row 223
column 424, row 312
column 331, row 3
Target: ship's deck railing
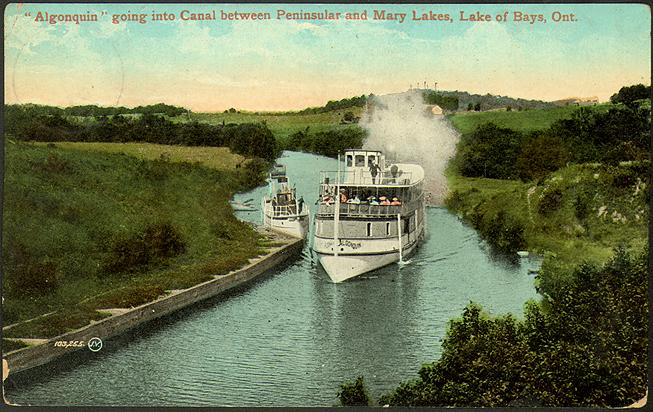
column 290, row 210
column 366, row 209
column 364, row 178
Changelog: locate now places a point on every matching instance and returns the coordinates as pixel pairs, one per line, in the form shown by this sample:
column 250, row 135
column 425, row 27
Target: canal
column 292, row 337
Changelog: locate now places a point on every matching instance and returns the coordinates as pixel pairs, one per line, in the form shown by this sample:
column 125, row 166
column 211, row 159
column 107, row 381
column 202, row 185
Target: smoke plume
column 406, row 130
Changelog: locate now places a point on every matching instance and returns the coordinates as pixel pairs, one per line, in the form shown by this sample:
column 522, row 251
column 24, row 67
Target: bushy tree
column 585, row 344
column 354, row 393
column 540, row 155
column 490, row 151
column 629, row 95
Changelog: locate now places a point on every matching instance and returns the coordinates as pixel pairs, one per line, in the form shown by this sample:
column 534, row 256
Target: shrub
column 162, row 240
column 154, row 170
column 490, row 151
column 53, row 164
column 504, row 233
column 127, row 252
column 254, row 172
column 585, row 344
column 34, row 278
column 581, row 206
column 354, row 394
column 157, row 242
column 454, row 201
column 540, row 156
column 550, row 202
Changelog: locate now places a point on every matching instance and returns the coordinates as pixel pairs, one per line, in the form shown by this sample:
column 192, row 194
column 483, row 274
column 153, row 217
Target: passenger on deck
column 343, row 196
column 395, row 202
column 373, row 200
column 355, row 200
column 384, row 201
column 327, row 200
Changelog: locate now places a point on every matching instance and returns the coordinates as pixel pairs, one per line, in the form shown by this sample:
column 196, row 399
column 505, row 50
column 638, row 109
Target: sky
column 281, row 64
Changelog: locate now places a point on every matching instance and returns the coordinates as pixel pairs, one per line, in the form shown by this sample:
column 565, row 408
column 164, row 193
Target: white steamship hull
column 294, row 226
column 349, row 265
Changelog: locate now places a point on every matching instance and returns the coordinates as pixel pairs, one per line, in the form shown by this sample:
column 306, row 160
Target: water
column 292, row 337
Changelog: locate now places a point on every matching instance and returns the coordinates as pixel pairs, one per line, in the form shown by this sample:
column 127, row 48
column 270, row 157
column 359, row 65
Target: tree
column 354, row 394
column 541, row 155
column 477, row 107
column 490, row 151
column 628, row 95
column 585, row 344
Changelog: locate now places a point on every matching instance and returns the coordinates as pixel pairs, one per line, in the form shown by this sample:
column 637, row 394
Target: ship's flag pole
column 336, row 214
column 401, row 258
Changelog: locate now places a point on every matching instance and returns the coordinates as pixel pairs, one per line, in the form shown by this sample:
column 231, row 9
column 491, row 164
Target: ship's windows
column 371, row 159
column 406, row 225
column 360, row 160
column 349, row 160
column 369, row 229
column 387, row 229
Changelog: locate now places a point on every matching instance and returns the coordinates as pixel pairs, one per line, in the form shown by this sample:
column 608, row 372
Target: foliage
column 32, row 275
column 156, row 242
column 540, row 155
column 248, row 139
column 585, row 345
column 354, row 393
column 254, row 172
column 445, row 102
column 30, row 110
column 490, row 151
column 502, row 231
column 550, row 202
column 593, row 214
column 618, row 134
column 12, row 345
column 629, row 95
column 358, row 101
column 491, row 101
column 328, row 143
column 111, row 207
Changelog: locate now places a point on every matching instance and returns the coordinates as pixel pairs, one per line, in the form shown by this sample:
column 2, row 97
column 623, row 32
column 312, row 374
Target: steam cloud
column 406, row 130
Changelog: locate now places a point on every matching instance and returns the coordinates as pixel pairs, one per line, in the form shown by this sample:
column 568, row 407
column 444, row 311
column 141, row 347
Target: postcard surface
column 326, row 204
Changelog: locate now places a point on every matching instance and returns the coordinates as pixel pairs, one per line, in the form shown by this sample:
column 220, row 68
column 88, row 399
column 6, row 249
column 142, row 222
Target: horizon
column 248, row 111
column 289, row 65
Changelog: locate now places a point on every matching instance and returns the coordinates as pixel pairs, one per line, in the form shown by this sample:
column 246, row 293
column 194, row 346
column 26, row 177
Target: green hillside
column 525, row 120
column 86, row 229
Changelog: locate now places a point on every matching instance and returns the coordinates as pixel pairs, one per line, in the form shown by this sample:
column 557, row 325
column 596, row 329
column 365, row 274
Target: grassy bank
column 89, row 227
column 577, row 214
column 524, row 121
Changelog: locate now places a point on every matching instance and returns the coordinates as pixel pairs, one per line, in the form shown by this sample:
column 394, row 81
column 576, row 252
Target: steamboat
column 370, row 214
column 282, row 210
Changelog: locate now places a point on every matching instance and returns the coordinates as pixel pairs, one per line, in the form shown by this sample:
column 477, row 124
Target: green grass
column 64, row 206
column 11, row 345
column 560, row 233
column 219, row 158
column 525, row 121
column 281, row 125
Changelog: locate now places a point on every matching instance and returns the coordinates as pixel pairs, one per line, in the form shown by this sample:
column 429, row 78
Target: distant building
column 437, row 110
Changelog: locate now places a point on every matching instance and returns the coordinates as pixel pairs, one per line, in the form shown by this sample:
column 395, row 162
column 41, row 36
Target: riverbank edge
column 30, row 357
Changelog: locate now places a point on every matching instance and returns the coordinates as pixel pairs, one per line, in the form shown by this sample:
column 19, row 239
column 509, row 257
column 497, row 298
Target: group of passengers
column 364, row 198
